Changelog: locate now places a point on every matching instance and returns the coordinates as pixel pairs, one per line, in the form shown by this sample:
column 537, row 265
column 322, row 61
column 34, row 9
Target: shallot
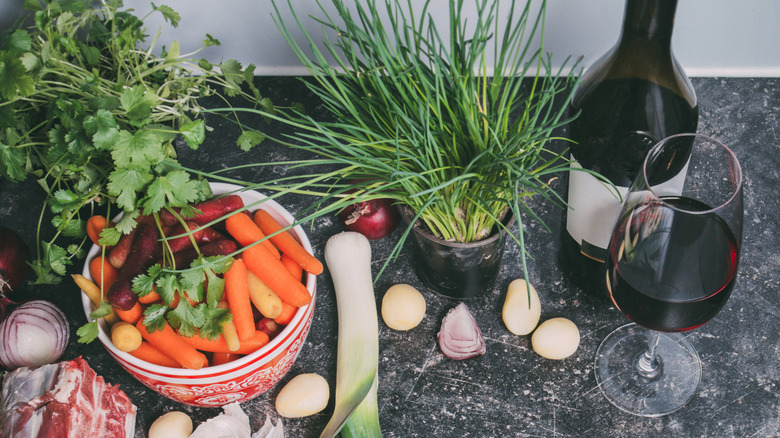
column 460, row 337
column 35, row 333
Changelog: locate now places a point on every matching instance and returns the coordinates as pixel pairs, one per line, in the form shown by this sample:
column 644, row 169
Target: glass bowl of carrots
column 269, row 291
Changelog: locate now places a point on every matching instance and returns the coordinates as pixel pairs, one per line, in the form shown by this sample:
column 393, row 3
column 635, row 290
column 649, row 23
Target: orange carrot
column 223, row 358
column 219, row 345
column 241, row 227
column 271, row 271
column 291, row 265
column 237, row 292
column 133, row 315
column 149, row 298
column 95, row 225
column 287, row 243
column 175, row 346
column 288, row 311
column 152, row 355
column 102, row 272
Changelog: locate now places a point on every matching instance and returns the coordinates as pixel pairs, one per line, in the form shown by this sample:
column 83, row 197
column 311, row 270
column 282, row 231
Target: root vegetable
column 125, row 336
column 144, row 252
column 403, row 307
column 556, row 338
column 174, row 424
column 521, row 316
column 304, row 395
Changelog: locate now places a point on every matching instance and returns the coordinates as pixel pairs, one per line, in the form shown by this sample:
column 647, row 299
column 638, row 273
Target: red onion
column 374, row 219
column 35, row 333
column 460, row 337
column 13, row 265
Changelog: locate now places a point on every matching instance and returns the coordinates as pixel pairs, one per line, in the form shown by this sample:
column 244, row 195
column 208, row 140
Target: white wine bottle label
column 594, row 209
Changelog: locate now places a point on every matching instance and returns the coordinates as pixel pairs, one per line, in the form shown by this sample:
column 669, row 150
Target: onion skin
column 375, row 218
column 35, row 333
column 13, row 261
column 460, row 337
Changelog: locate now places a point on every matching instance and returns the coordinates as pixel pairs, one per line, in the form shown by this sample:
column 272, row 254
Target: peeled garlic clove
column 556, row 338
column 519, row 316
column 460, row 337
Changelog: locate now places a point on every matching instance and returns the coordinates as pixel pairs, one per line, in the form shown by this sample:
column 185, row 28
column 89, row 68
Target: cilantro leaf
column 103, row 310
column 19, row 41
column 166, row 286
column 87, row 332
column 139, row 150
column 168, row 13
column 143, row 284
column 12, row 160
column 214, row 317
column 103, row 129
column 194, row 133
column 14, row 81
column 109, row 236
column 249, row 139
column 138, row 104
column 154, row 317
column 185, row 318
column 174, row 189
column 123, row 183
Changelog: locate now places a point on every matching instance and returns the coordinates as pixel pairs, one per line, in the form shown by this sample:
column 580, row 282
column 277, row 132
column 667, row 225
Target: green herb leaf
column 175, row 189
column 194, row 133
column 213, row 317
column 88, row 332
column 168, row 13
column 138, row 103
column 249, row 139
column 154, row 317
column 12, row 160
column 14, row 81
column 103, row 129
column 185, row 318
column 124, row 183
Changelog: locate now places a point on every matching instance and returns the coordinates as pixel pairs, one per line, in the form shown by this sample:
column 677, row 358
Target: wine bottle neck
column 649, row 19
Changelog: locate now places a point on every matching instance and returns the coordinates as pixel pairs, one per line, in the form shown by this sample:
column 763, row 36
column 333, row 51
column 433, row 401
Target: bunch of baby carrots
column 263, row 289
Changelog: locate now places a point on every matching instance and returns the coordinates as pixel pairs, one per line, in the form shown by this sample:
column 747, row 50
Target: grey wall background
column 711, row 37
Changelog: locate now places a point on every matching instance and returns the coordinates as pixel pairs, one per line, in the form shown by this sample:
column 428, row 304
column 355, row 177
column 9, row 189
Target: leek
column 348, row 256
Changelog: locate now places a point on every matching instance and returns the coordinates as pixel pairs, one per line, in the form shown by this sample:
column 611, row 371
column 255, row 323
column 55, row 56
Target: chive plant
column 428, row 118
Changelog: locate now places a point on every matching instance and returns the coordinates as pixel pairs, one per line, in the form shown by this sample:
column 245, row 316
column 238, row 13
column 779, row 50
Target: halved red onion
column 460, row 337
column 35, row 333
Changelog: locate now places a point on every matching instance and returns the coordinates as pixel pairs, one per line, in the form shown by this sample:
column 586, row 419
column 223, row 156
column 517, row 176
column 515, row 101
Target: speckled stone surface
column 510, row 391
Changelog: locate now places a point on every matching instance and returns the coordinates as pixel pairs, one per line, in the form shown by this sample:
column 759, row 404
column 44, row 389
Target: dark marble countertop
column 511, row 391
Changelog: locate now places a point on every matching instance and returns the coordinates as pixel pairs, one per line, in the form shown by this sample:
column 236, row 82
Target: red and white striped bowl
column 237, row 381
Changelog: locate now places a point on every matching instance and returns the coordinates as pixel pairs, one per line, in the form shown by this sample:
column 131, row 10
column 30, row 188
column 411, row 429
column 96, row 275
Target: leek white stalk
column 348, row 256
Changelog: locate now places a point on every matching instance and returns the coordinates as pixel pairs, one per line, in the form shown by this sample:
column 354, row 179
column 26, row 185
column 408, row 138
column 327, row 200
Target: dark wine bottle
column 633, row 96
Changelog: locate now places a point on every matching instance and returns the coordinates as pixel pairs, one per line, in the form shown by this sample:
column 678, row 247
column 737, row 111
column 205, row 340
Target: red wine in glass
column 680, row 273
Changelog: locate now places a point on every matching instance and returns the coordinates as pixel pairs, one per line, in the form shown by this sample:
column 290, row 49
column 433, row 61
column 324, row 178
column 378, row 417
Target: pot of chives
column 431, row 123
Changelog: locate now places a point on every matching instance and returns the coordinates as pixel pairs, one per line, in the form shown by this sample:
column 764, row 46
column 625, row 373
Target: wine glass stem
column 648, row 364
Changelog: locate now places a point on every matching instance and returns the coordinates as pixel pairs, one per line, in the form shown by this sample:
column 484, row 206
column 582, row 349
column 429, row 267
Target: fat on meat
column 63, row 400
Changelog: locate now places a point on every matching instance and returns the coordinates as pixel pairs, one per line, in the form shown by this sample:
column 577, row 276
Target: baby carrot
column 150, row 354
column 287, row 243
column 102, row 272
column 271, row 271
column 92, row 291
column 219, row 345
column 241, row 227
column 264, row 299
column 95, row 225
column 229, row 331
column 288, row 311
column 133, row 315
column 176, row 346
column 149, row 298
column 237, row 292
column 294, row 268
column 223, row 358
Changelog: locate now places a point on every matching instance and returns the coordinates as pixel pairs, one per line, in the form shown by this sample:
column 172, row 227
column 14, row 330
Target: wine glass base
column 625, row 388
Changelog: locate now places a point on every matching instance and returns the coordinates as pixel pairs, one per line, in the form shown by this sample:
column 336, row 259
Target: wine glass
column 672, row 264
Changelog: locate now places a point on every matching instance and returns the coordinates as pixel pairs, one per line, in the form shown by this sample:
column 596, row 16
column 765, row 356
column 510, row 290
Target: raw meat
column 63, row 400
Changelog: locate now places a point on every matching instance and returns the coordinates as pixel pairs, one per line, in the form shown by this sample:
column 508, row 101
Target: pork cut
column 63, row 400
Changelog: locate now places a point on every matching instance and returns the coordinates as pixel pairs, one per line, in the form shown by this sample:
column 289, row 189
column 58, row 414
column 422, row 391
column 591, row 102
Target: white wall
column 711, row 37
